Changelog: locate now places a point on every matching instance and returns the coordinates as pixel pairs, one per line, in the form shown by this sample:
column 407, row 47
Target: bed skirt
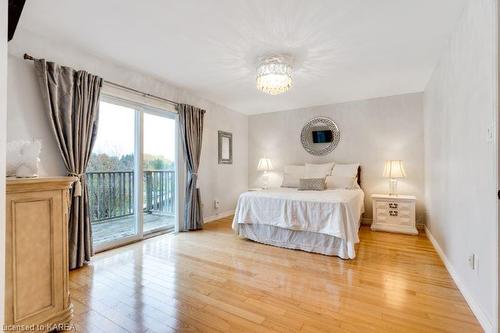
column 295, row 239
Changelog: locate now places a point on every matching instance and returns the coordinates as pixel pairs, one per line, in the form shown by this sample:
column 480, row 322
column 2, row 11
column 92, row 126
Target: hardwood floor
column 212, row 281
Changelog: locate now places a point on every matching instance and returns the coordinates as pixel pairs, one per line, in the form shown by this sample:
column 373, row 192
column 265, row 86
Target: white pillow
column 318, row 170
column 340, row 182
column 290, row 180
column 292, row 175
column 345, row 170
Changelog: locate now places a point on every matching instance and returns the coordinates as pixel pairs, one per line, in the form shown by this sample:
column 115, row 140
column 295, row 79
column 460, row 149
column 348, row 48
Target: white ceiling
column 344, row 49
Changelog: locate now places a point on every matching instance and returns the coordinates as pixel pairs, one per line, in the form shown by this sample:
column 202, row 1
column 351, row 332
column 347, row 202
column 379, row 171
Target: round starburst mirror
column 320, row 136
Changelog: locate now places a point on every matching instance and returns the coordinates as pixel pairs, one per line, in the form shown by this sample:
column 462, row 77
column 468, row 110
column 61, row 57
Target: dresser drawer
column 393, row 212
column 393, row 205
column 383, row 217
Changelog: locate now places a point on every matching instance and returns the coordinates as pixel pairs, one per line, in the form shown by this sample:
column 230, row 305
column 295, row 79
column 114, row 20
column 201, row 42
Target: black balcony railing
column 111, row 194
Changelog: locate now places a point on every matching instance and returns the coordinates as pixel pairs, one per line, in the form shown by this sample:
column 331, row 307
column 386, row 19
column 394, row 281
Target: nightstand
column 394, row 213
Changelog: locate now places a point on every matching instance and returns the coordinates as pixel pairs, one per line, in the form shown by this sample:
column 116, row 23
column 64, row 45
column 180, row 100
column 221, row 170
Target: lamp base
column 393, row 187
column 265, row 181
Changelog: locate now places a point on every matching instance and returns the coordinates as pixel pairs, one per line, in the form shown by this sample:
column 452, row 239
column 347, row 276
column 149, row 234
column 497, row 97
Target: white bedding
column 332, row 212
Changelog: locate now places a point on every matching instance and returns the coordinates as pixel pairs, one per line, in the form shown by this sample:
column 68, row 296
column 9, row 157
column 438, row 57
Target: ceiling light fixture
column 274, row 75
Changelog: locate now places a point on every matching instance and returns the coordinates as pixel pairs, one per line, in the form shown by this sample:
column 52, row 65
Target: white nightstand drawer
column 405, row 213
column 393, row 205
column 394, row 212
column 394, row 220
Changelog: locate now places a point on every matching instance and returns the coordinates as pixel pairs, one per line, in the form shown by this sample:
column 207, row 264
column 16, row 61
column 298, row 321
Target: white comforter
column 331, row 212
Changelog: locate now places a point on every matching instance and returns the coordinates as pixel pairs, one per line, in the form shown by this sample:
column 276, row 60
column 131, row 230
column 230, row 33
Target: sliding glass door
column 159, row 172
column 132, row 175
column 110, row 175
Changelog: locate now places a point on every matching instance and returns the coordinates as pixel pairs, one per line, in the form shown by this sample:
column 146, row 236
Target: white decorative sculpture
column 23, row 158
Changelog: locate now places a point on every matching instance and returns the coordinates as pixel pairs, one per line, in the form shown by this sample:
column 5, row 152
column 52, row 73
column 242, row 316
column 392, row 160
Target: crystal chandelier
column 274, row 75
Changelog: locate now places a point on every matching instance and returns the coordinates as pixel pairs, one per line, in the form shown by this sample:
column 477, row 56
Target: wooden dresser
column 36, row 263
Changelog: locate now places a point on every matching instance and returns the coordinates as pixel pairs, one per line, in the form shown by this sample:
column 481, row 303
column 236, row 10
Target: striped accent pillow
column 312, row 184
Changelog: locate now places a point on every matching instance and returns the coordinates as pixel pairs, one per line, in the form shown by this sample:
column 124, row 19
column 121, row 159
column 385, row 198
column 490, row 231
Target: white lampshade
column 264, row 165
column 394, row 169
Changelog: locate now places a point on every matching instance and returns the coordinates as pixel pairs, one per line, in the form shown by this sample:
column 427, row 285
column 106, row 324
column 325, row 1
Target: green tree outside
column 106, row 163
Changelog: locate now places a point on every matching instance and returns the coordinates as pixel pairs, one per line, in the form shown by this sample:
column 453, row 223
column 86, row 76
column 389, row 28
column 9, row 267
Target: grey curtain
column 191, row 132
column 72, row 100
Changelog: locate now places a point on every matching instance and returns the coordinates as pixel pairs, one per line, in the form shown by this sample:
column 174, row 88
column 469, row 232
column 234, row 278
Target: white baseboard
column 217, row 216
column 474, row 306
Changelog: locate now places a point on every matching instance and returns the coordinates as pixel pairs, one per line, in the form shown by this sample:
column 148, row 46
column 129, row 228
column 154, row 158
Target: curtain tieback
column 78, row 183
column 194, row 178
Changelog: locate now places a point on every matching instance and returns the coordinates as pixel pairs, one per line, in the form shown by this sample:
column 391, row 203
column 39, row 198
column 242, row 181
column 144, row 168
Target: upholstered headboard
column 359, row 176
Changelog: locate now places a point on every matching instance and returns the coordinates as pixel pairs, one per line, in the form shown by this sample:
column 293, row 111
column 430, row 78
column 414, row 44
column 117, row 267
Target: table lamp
column 265, row 165
column 394, row 169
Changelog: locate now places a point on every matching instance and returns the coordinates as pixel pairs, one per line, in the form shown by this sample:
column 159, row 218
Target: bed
column 325, row 222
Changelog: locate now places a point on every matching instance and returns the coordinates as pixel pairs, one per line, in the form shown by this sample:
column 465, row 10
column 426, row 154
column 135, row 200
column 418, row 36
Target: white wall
column 372, row 131
column 27, row 119
column 3, row 129
column 460, row 159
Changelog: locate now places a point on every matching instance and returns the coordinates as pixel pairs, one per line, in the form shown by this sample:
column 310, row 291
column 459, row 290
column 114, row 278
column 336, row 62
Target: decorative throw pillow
column 340, row 182
column 312, row 184
column 318, row 170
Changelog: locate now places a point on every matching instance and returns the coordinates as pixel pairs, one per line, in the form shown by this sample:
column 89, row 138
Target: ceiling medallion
column 274, row 75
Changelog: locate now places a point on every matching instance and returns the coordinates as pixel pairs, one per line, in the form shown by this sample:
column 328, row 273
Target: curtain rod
column 28, row 57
